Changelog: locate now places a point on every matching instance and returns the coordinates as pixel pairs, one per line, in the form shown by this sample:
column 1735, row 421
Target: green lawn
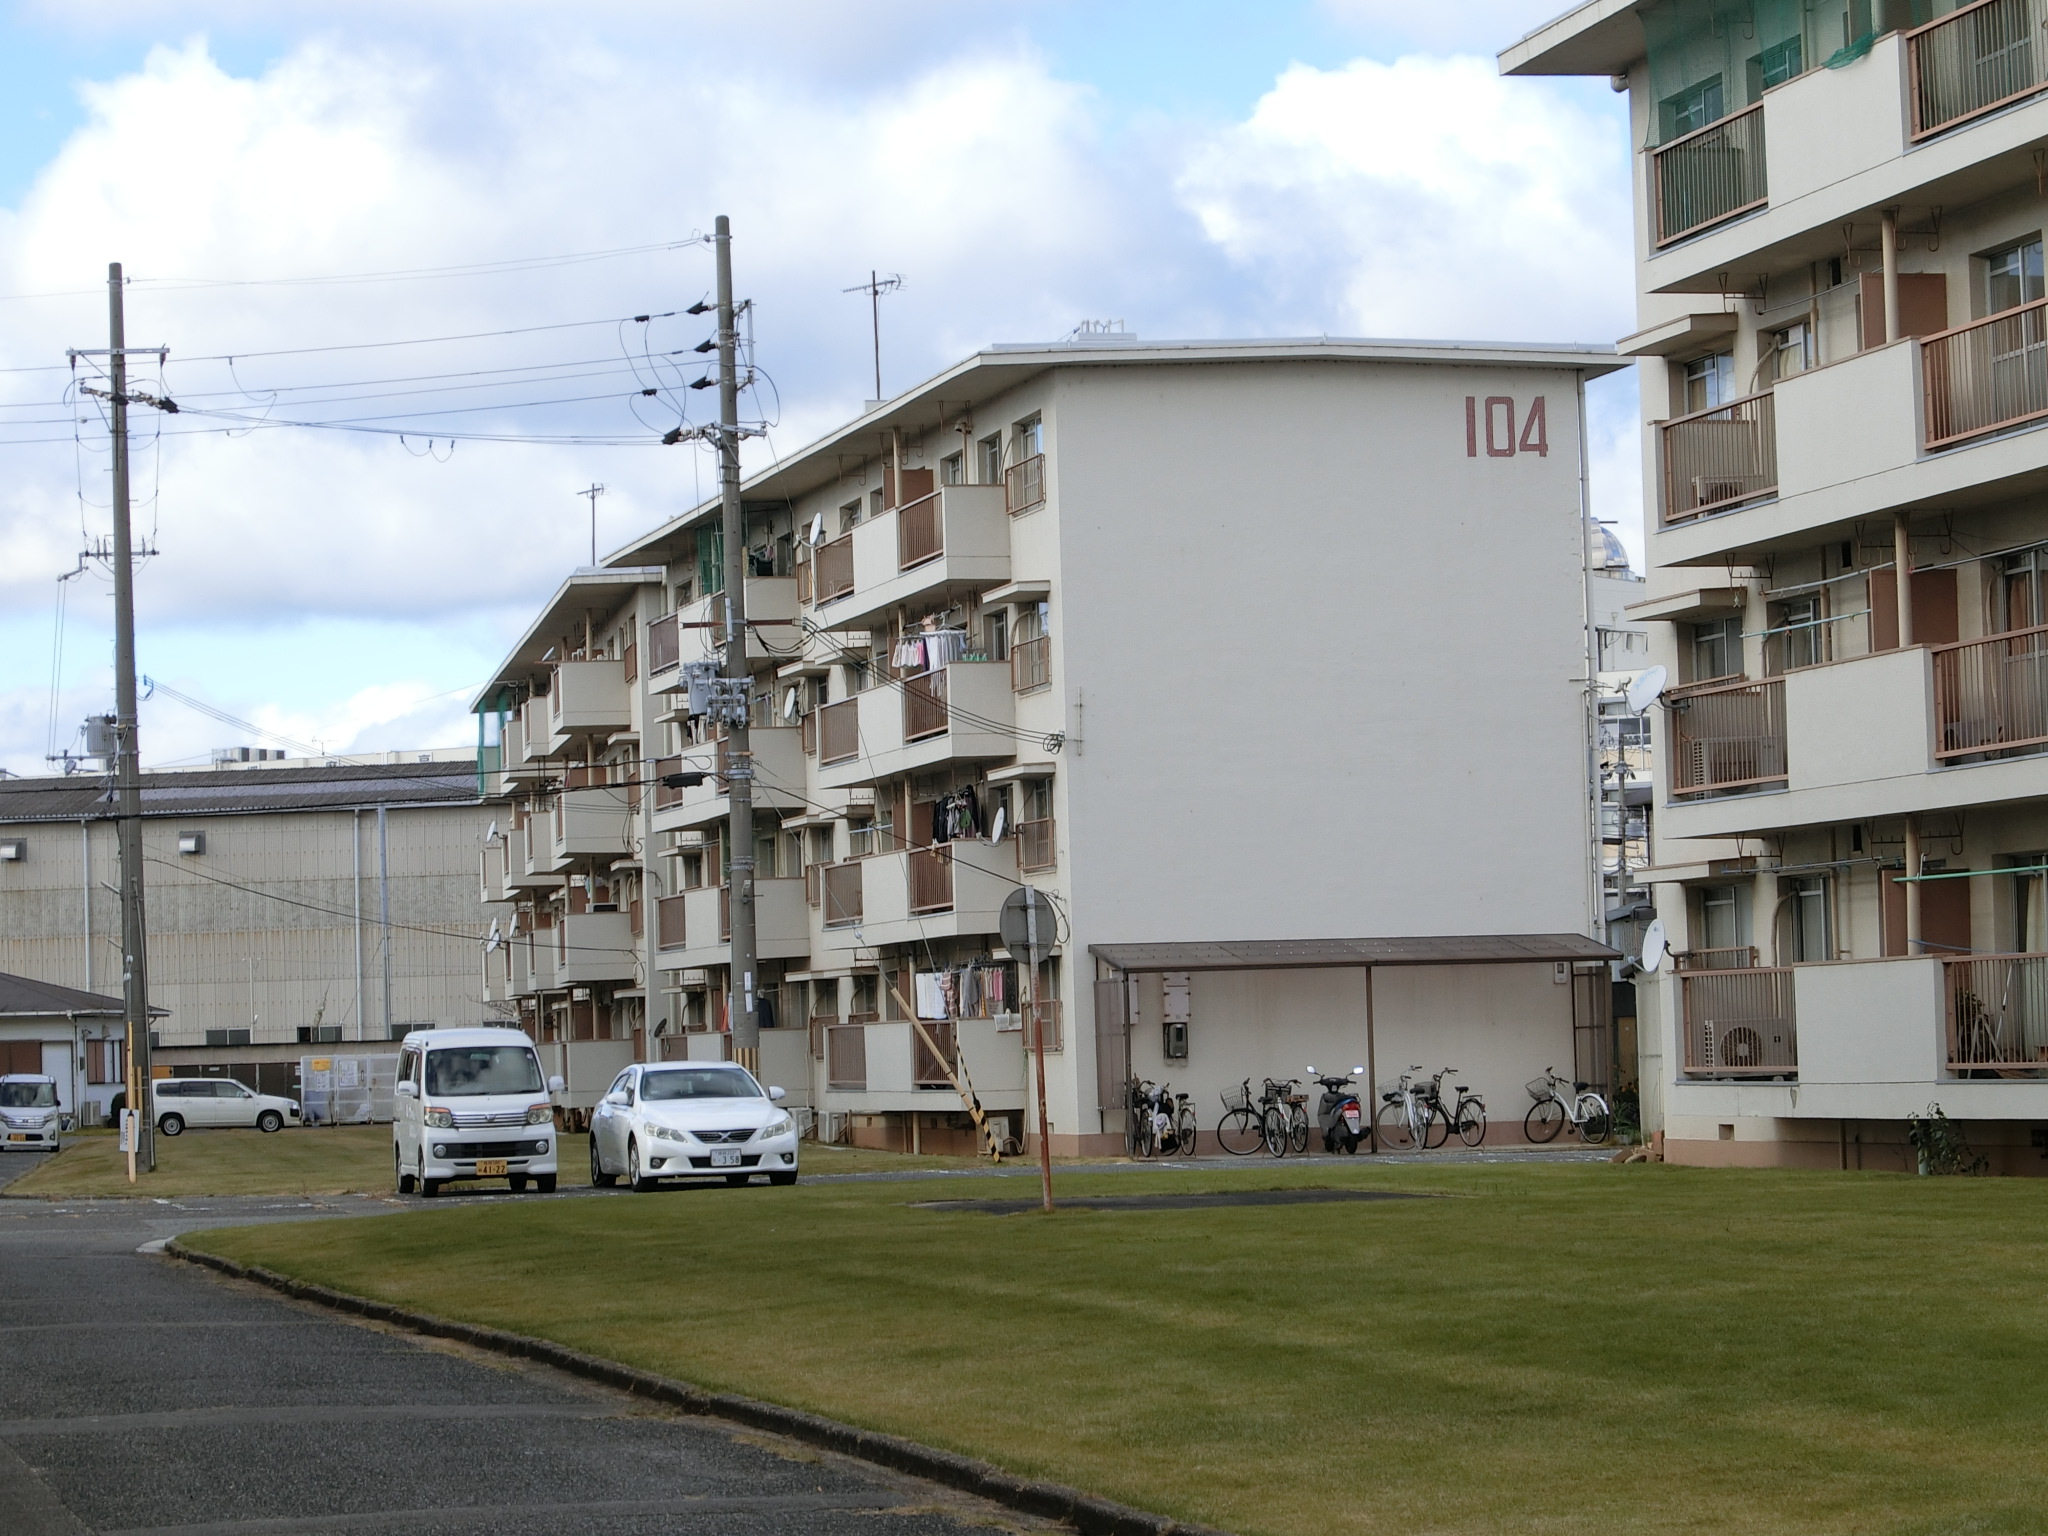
column 1551, row 1348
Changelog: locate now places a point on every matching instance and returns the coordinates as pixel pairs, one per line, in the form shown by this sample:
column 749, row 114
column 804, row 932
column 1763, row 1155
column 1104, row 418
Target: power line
column 430, row 341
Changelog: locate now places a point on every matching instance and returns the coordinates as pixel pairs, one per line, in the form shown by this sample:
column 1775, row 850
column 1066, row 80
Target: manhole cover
column 1167, row 1202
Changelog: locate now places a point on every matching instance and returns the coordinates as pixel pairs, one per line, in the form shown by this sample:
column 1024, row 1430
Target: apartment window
column 995, row 633
column 867, row 996
column 2012, row 276
column 1722, row 923
column 1797, row 636
column 1775, row 65
column 2029, row 903
column 1709, row 381
column 1694, row 107
column 1791, row 350
column 849, row 516
column 2020, row 598
column 1028, row 438
column 953, row 469
column 876, row 506
column 1038, row 799
column 1716, row 650
column 989, row 460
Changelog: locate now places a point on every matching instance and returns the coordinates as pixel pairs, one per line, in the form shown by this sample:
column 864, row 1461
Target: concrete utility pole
column 739, row 760
column 384, row 907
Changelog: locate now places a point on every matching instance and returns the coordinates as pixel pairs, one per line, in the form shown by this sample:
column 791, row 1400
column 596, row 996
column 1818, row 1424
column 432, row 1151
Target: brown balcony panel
column 1035, row 845
column 1728, row 737
column 924, row 705
column 846, row 1056
column 803, row 581
column 1988, row 375
column 669, row 932
column 1739, row 1023
column 920, row 532
column 1711, row 174
column 1031, row 665
column 725, row 914
column 663, row 795
column 1024, row 484
column 1720, row 458
column 839, row 732
column 843, row 894
column 664, row 645
column 931, row 879
column 1973, row 61
column 1991, row 695
column 1997, row 1014
column 929, row 1068
column 834, row 565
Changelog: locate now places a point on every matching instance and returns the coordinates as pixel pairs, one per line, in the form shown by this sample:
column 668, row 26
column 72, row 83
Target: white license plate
column 725, row 1157
column 490, row 1167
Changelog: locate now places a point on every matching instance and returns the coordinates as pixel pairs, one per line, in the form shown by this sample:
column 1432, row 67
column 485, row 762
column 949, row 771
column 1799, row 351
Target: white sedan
column 698, row 1119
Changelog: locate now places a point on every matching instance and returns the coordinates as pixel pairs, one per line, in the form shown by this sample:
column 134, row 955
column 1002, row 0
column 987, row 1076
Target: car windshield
column 28, row 1096
column 698, row 1083
column 480, row 1069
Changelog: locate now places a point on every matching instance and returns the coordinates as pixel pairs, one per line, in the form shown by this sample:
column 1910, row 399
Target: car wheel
column 736, row 1179
column 405, row 1180
column 544, row 1182
column 172, row 1125
column 640, row 1182
column 269, row 1121
column 783, row 1178
column 599, row 1179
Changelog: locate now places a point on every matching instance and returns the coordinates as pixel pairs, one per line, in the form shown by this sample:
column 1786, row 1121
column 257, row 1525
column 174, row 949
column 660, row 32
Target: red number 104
column 1497, row 412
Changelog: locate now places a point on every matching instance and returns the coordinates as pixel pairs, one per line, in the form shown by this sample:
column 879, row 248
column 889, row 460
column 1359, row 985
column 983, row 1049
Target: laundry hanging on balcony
column 956, row 816
column 972, row 991
column 928, row 649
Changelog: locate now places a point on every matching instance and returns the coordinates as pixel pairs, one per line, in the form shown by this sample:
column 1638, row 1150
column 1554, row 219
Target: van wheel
column 405, row 1180
column 269, row 1122
column 172, row 1125
column 518, row 1183
column 544, row 1182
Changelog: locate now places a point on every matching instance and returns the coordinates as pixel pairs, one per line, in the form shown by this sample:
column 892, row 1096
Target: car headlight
column 667, row 1133
column 540, row 1114
column 777, row 1126
column 441, row 1117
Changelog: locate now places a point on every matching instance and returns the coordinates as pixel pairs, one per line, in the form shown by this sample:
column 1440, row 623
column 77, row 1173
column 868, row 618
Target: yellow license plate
column 490, row 1167
column 17, row 1136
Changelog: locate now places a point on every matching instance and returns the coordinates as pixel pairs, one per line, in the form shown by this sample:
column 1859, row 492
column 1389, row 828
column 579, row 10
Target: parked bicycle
column 1162, row 1122
column 1402, row 1123
column 1283, row 1121
column 1466, row 1114
column 1242, row 1130
column 1559, row 1100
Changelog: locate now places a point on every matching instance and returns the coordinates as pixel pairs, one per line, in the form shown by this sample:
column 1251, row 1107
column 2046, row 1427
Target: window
column 2020, row 595
column 995, row 634
column 1791, row 350
column 953, row 469
column 989, row 460
column 2012, row 277
column 1806, row 900
column 1716, row 650
column 1709, row 381
column 1722, row 923
column 1797, row 637
column 482, row 1069
column 867, row 996
column 2029, row 903
column 849, row 516
column 1692, row 108
column 1028, row 438
column 1775, row 65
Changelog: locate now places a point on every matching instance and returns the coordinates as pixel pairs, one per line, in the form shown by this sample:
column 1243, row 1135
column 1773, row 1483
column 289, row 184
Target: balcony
column 590, row 821
column 889, row 1067
column 1991, row 695
column 1739, row 1023
column 1987, row 376
column 491, row 886
column 1711, row 174
column 1720, row 458
column 1997, row 1014
column 1973, row 61
column 1031, row 665
column 954, row 540
column 779, row 772
column 912, row 894
column 842, row 887
column 930, row 873
column 671, row 922
column 846, row 1056
column 594, row 947
column 1728, row 737
column 961, row 712
column 664, row 646
column 587, row 698
column 782, row 927
column 697, row 629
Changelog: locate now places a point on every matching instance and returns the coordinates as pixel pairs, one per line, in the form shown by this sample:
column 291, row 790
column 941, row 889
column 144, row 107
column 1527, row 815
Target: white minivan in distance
column 472, row 1104
column 31, row 1118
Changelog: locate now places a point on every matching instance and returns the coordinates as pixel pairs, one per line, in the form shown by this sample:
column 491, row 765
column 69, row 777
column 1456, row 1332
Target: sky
column 430, row 226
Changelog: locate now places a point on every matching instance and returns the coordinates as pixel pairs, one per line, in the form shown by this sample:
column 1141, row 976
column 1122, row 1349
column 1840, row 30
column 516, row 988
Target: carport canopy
column 1306, row 954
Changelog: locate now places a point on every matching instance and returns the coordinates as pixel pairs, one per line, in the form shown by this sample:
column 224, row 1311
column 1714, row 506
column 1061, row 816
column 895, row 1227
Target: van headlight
column 442, row 1117
column 540, row 1114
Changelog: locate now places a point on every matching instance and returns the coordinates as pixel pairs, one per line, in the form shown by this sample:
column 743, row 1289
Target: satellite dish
column 492, row 835
column 496, row 940
column 789, row 705
column 1646, row 689
column 817, row 530
column 995, row 829
column 1654, row 946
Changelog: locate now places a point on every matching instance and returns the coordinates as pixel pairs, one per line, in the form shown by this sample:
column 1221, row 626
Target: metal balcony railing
column 1024, row 484
column 924, row 705
column 843, row 894
column 1997, row 1009
column 1991, row 695
column 1727, row 957
column 839, row 732
column 920, row 532
column 669, row 931
column 846, row 1056
column 1035, row 845
column 1050, row 1021
column 1986, row 376
column 1729, row 736
column 834, row 565
column 930, row 873
column 1720, row 457
column 1974, row 60
column 1739, row 1023
column 1711, row 174
column 1031, row 665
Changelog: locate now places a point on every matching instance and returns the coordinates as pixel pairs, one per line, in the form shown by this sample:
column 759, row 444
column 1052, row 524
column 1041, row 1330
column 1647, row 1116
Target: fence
column 1739, row 1023
column 1997, row 1012
column 928, row 1070
column 1728, row 737
column 1711, row 174
column 1987, row 375
column 839, row 732
column 834, row 563
column 1972, row 61
column 347, row 1090
column 843, row 894
column 1720, row 457
column 1991, row 695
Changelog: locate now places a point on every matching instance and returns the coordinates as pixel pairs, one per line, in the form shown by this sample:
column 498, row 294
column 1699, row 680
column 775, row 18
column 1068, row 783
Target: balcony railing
column 1739, row 1023
column 669, row 932
column 1991, row 695
column 1024, row 484
column 920, row 532
column 725, row 914
column 839, row 732
column 834, row 565
column 929, row 1068
column 1049, row 1020
column 930, row 873
column 1031, row 665
column 1728, row 957
column 1997, row 1013
column 803, row 581
column 1720, row 457
column 1986, row 376
column 664, row 645
column 814, row 885
column 846, row 1056
column 663, row 795
column 843, row 894
column 1711, row 174
column 1975, row 60
column 810, row 730
column 924, row 705
column 1035, row 845
column 1727, row 737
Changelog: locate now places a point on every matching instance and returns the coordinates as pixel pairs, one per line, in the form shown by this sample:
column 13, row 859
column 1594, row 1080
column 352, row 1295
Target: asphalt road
column 142, row 1394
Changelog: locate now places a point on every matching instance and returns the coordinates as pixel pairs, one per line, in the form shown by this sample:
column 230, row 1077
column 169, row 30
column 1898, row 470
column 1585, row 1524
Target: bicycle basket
column 1297, row 1098
column 1237, row 1098
column 1539, row 1088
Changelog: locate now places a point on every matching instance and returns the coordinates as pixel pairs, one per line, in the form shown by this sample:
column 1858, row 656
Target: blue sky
column 1341, row 166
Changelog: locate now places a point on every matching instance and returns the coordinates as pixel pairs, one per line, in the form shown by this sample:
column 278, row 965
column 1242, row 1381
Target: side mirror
column 407, row 1090
column 555, row 1083
column 615, row 1098
column 777, row 1093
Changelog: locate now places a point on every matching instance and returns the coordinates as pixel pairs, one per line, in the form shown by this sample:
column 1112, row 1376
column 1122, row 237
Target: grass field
column 1547, row 1348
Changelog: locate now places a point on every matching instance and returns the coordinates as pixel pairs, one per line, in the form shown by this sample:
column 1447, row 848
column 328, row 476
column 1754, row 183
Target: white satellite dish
column 1646, row 689
column 492, row 835
column 817, row 530
column 496, row 940
column 789, row 705
column 1654, row 946
column 995, row 829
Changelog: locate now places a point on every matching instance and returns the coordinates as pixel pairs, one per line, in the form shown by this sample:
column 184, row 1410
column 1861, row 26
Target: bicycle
column 1466, row 1114
column 1241, row 1131
column 1585, row 1109
column 1402, row 1123
column 1284, row 1123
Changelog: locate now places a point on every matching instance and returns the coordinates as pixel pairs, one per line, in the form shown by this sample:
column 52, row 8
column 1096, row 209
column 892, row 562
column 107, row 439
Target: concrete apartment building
column 267, row 886
column 1839, row 223
column 1167, row 616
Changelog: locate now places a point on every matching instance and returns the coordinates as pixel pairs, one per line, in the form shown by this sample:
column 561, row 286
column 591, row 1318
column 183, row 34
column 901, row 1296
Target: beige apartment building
column 1844, row 364
column 1155, row 628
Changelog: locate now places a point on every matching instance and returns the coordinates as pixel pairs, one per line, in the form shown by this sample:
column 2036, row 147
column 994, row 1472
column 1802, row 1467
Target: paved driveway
column 143, row 1394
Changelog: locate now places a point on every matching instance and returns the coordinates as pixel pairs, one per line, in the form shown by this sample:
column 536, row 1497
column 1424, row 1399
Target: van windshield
column 480, row 1069
column 28, row 1096
column 697, row 1083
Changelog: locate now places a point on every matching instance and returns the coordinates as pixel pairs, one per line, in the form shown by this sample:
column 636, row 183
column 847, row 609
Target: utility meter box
column 1177, row 989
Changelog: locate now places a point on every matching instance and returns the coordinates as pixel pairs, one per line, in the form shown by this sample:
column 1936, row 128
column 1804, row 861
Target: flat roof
column 1304, row 954
column 950, row 395
column 1601, row 37
column 90, row 797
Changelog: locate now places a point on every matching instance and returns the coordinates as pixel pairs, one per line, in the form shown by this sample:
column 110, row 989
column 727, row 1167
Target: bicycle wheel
column 1544, row 1120
column 1297, row 1129
column 1239, row 1133
column 1419, row 1121
column 1391, row 1127
column 1436, row 1130
column 1275, row 1131
column 1596, row 1120
column 1186, row 1132
column 1472, row 1122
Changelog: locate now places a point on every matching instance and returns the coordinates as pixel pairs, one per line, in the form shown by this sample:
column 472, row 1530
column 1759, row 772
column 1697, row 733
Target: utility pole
column 739, row 760
column 874, row 288
column 593, row 493
column 384, row 907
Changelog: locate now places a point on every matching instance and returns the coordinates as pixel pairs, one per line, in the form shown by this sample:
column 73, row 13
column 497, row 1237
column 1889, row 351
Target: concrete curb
column 1052, row 1501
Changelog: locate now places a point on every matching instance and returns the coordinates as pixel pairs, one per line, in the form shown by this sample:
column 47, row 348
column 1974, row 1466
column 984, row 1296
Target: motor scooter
column 1341, row 1115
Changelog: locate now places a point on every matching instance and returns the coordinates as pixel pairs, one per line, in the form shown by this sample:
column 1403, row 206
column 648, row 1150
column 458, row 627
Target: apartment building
column 291, row 902
column 1839, row 214
column 1156, row 628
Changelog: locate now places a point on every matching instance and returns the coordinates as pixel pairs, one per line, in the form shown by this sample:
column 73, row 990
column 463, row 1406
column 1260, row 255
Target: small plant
column 1941, row 1145
column 1628, row 1116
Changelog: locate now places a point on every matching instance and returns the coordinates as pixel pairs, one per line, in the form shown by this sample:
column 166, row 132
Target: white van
column 471, row 1104
column 31, row 1119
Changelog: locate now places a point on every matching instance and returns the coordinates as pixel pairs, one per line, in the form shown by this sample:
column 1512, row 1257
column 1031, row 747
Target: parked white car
column 471, row 1104
column 31, row 1119
column 207, row 1102
column 698, row 1119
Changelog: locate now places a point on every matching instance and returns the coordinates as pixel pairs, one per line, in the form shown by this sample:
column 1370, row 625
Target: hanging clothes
column 941, row 820
column 931, row 1002
column 970, row 992
column 970, row 813
column 949, row 993
column 996, row 988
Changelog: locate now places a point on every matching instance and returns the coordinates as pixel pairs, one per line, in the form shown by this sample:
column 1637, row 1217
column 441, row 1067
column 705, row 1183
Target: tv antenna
column 877, row 285
column 593, row 493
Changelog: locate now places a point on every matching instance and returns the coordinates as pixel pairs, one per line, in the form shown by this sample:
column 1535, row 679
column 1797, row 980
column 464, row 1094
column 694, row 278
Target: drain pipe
column 1890, row 240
